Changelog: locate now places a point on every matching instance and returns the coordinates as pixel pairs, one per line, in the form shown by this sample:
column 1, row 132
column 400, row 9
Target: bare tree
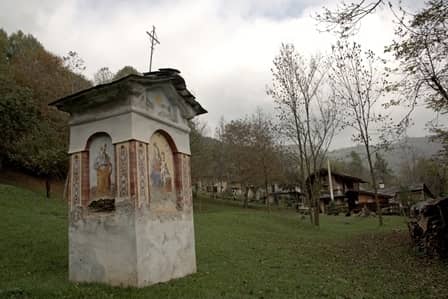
column 356, row 80
column 103, row 76
column 346, row 17
column 237, row 141
column 420, row 46
column 73, row 62
column 308, row 114
column 265, row 151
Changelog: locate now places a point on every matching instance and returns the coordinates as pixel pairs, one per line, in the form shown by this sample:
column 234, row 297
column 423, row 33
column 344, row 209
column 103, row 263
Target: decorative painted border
column 183, row 181
column 122, row 170
column 75, row 190
column 142, row 174
column 187, row 192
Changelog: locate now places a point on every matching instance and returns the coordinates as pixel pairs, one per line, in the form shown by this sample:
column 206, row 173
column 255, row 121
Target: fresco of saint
column 103, row 167
column 156, row 168
column 160, row 173
column 165, row 175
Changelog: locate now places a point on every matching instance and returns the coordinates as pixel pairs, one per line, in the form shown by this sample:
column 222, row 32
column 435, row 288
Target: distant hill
column 411, row 148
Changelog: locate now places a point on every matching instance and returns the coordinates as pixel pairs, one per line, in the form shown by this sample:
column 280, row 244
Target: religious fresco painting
column 160, row 105
column 101, row 167
column 161, row 171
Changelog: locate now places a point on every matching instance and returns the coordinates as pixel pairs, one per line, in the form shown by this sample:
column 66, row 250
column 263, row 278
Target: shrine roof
column 163, row 75
column 323, row 172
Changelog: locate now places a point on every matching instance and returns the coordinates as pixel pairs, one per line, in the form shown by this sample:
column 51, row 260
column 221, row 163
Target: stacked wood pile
column 428, row 227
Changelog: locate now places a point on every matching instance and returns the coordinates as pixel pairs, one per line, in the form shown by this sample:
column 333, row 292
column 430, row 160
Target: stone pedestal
column 131, row 214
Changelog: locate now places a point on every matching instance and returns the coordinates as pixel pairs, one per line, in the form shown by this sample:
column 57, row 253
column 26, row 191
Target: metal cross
column 153, row 38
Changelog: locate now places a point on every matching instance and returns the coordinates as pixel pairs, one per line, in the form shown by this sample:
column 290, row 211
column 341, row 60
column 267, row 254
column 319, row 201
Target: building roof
column 342, row 176
column 162, row 75
column 372, row 193
column 417, row 188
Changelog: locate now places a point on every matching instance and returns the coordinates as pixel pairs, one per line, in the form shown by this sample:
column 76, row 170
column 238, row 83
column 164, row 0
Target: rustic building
column 366, row 199
column 345, row 187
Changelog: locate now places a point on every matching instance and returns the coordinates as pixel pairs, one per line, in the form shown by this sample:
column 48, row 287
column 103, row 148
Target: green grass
column 241, row 253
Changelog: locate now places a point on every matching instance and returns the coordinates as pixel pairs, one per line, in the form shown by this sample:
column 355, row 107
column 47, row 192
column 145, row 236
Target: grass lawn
column 241, row 253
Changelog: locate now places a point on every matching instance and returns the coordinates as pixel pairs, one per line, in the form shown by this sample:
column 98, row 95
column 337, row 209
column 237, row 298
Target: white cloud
column 224, row 49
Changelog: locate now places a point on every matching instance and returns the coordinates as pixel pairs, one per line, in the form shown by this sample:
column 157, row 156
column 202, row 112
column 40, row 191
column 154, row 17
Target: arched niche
column 101, row 167
column 162, row 172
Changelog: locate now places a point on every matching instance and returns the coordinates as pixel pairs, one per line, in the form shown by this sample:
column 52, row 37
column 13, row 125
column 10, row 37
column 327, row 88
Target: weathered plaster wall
column 144, row 128
column 168, row 250
column 119, row 128
column 102, row 246
column 130, row 247
column 137, row 127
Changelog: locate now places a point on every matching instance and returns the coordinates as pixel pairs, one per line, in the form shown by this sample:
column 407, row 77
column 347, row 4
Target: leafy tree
column 202, row 149
column 30, row 78
column 48, row 161
column 125, row 71
column 16, row 105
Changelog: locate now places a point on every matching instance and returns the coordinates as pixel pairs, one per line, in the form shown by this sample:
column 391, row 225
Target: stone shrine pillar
column 130, row 197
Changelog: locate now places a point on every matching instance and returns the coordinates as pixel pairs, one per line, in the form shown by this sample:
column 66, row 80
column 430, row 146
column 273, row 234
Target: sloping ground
column 241, row 254
column 36, row 184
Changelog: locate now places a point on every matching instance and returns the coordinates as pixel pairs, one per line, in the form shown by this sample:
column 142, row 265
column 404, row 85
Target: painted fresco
column 101, row 167
column 159, row 104
column 161, row 173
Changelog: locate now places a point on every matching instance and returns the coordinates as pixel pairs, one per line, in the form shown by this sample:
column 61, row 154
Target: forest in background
column 34, row 136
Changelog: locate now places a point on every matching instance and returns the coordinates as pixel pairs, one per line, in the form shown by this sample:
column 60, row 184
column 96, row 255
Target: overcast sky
column 224, row 49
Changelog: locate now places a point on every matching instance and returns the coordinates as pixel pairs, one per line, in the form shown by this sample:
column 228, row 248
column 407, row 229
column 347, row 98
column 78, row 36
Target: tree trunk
column 65, row 194
column 315, row 201
column 246, row 198
column 268, row 204
column 375, row 187
column 47, row 187
column 265, row 174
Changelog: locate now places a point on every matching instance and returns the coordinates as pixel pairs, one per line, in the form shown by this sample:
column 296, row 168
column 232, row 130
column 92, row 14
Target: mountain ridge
column 409, row 148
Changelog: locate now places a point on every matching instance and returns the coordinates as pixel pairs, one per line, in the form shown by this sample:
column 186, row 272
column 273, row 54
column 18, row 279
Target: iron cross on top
column 154, row 40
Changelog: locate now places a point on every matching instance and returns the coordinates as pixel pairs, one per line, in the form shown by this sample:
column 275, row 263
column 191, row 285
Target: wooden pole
column 330, row 181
